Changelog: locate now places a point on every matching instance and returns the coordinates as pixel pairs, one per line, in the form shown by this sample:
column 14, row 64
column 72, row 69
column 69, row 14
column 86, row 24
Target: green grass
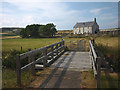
column 108, row 41
column 109, row 81
column 8, row 44
column 9, row 78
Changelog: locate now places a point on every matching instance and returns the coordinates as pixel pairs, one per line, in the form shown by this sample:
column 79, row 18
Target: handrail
column 58, row 49
column 96, row 63
column 93, row 50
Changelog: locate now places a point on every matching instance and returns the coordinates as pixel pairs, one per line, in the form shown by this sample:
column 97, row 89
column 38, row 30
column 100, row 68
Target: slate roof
column 84, row 24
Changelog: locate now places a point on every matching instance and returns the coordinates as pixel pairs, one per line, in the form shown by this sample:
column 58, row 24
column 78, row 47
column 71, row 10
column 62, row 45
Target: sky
column 63, row 14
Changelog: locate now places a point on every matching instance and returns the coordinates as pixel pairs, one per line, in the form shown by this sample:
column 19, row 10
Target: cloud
column 98, row 10
column 26, row 12
column 42, row 13
column 95, row 11
column 9, row 20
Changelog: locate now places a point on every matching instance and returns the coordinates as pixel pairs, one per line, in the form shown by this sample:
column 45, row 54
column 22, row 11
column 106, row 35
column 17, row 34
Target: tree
column 31, row 31
column 23, row 33
column 51, row 29
column 36, row 30
column 47, row 30
column 42, row 30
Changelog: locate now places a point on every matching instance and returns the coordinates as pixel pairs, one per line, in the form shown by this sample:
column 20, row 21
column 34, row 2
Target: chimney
column 95, row 20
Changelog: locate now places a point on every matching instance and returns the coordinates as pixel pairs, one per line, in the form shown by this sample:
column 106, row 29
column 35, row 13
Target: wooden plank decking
column 67, row 70
column 74, row 60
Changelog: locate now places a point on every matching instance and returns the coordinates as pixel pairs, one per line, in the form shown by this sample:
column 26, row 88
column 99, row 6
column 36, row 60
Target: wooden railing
column 47, row 55
column 96, row 63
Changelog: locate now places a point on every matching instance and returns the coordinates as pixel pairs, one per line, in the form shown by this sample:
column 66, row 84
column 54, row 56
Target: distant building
column 86, row 27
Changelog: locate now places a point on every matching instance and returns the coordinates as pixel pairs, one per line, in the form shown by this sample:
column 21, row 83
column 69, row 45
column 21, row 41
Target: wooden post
column 21, row 49
column 18, row 70
column 60, row 46
column 33, row 67
column 45, row 60
column 52, row 51
column 57, row 49
column 63, row 44
column 98, row 71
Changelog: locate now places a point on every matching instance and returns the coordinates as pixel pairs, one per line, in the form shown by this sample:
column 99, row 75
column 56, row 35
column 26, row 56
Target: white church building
column 86, row 27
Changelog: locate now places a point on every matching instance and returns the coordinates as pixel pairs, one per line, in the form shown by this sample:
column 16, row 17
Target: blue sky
column 63, row 14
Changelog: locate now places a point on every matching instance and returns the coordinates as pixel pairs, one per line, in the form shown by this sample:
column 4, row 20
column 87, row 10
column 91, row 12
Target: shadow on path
column 57, row 84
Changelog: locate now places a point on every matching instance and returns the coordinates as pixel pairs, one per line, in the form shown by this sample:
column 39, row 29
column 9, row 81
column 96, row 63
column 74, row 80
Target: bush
column 9, row 60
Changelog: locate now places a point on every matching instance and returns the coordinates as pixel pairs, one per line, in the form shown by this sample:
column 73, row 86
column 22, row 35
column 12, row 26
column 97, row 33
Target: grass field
column 111, row 42
column 9, row 44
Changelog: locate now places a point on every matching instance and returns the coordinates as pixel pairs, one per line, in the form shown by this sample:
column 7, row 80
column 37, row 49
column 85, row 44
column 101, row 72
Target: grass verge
column 109, row 80
column 9, row 78
column 87, row 79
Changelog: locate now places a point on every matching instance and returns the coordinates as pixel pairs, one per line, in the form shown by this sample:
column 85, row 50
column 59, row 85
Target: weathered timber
column 54, row 49
column 96, row 63
column 18, row 72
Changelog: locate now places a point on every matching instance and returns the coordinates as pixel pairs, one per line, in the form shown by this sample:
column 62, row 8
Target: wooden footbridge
column 66, row 65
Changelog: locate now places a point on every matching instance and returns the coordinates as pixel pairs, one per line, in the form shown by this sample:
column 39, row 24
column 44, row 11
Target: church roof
column 84, row 24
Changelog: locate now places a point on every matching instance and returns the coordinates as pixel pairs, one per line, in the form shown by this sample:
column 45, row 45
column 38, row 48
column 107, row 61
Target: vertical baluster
column 18, row 70
column 33, row 67
column 63, row 44
column 52, row 51
column 46, row 57
column 57, row 49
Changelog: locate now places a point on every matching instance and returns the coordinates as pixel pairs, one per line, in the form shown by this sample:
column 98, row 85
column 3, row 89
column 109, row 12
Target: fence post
column 18, row 70
column 60, row 46
column 63, row 44
column 21, row 49
column 45, row 60
column 98, row 71
column 52, row 51
column 33, row 68
column 57, row 49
